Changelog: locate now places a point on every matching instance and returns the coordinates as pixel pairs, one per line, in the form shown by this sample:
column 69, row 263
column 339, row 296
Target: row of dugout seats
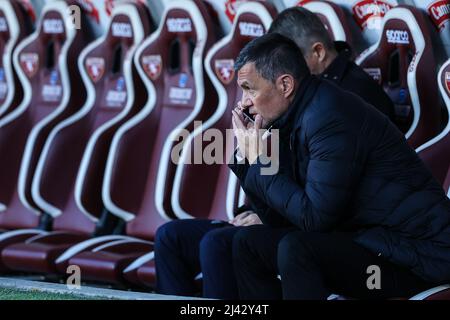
column 87, row 144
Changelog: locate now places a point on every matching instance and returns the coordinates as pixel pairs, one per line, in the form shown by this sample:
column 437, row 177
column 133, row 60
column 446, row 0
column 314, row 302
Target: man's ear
column 318, row 50
column 286, row 85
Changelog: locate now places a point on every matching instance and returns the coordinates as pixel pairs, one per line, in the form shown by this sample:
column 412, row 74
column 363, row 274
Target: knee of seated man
column 170, row 232
column 215, row 241
column 246, row 238
column 293, row 244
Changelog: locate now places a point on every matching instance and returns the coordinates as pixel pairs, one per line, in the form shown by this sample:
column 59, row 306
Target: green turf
column 14, row 294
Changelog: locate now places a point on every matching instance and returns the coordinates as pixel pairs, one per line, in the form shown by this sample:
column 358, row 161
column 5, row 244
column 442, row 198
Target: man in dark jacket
column 184, row 248
column 330, row 60
column 350, row 198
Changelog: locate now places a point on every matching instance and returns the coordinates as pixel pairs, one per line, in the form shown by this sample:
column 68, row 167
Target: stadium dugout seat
column 436, row 152
column 403, row 62
column 334, row 19
column 15, row 25
column 44, row 62
column 139, row 174
column 212, row 181
column 68, row 191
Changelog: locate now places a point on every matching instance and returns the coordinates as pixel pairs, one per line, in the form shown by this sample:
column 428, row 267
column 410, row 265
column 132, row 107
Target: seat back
column 15, row 25
column 436, row 152
column 333, row 17
column 70, row 103
column 402, row 61
column 140, row 171
column 68, row 179
column 44, row 62
column 208, row 189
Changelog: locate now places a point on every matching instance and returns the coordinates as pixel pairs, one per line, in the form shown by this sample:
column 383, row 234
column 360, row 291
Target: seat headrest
column 173, row 55
column 252, row 20
column 403, row 62
column 128, row 26
column 38, row 55
column 333, row 17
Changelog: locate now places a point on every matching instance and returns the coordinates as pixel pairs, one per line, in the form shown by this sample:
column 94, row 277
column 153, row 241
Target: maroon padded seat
column 436, row 152
column 111, row 81
column 15, row 25
column 139, row 174
column 215, row 195
column 403, row 62
column 48, row 83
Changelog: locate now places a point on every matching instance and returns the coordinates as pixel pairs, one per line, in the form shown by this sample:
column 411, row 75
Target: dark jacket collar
column 303, row 95
column 336, row 70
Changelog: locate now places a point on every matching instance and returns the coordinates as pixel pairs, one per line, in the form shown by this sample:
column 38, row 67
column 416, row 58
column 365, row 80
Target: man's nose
column 246, row 102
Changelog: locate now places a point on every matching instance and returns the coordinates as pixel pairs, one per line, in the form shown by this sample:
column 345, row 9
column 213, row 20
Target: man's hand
column 246, row 218
column 248, row 135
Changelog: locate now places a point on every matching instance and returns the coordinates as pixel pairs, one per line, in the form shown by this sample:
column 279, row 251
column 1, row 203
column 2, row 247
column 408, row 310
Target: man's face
column 260, row 95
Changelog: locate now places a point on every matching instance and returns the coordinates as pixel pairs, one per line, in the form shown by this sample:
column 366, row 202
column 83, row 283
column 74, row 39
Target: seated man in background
column 331, row 61
column 184, row 248
column 354, row 195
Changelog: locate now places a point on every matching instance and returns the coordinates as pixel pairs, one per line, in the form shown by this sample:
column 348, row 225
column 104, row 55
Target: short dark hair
column 303, row 27
column 273, row 55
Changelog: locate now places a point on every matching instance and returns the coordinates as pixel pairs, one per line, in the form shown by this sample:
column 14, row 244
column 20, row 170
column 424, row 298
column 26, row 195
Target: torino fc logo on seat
column 152, row 65
column 397, row 36
column 224, row 70
column 29, row 63
column 95, row 68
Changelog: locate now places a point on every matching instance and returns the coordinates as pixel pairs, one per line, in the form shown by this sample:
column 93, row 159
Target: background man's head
column 269, row 70
column 310, row 35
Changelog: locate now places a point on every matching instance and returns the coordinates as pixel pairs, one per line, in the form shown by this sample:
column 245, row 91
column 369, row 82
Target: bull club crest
column 29, row 63
column 95, row 68
column 225, row 70
column 447, row 81
column 152, row 66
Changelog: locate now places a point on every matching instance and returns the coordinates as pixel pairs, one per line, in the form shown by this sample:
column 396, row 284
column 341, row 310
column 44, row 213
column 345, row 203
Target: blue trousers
column 184, row 248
